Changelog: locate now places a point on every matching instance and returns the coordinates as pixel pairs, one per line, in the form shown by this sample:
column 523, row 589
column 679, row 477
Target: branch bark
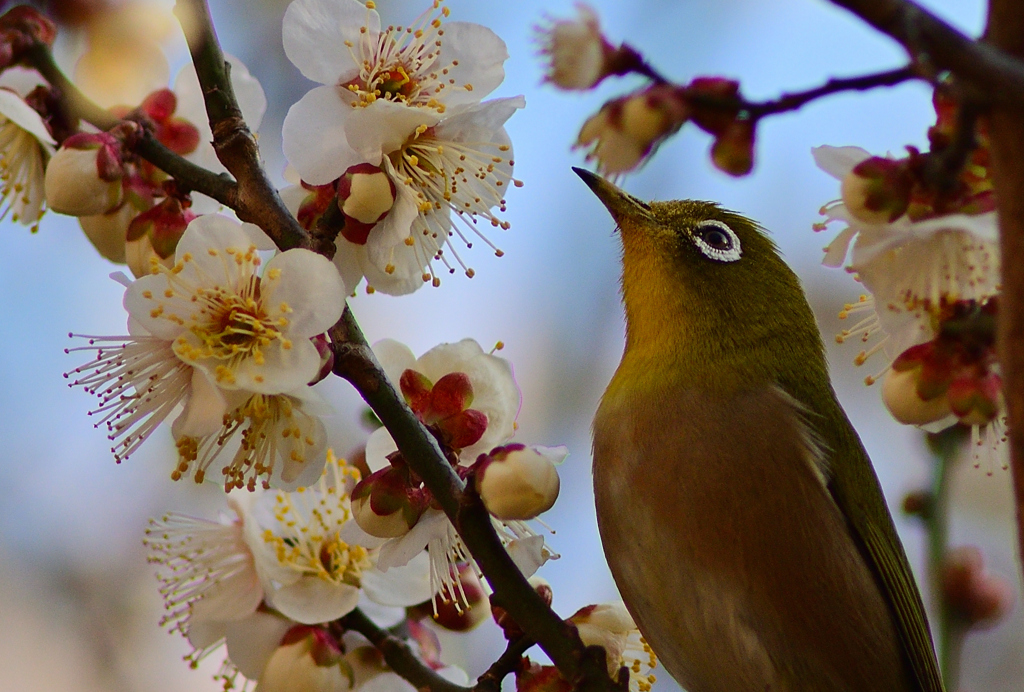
column 1006, row 131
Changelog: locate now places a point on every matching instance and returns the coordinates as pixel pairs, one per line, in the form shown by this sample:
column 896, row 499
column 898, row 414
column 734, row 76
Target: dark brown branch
column 943, row 169
column 791, row 102
column 77, row 106
column 490, row 680
column 257, row 200
column 354, row 361
column 399, row 655
column 983, row 69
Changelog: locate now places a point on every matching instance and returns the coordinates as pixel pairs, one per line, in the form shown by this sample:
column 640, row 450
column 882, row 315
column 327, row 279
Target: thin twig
column 490, row 680
column 257, row 198
column 399, row 655
column 78, row 106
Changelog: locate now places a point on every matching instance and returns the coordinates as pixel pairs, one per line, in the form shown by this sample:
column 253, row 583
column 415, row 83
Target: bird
column 740, row 515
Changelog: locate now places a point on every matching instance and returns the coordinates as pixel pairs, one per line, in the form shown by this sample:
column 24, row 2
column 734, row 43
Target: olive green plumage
column 741, row 517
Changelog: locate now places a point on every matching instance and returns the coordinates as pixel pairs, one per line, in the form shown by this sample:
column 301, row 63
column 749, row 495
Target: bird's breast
column 728, row 550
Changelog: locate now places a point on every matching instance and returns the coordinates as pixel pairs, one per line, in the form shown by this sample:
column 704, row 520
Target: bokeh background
column 78, row 602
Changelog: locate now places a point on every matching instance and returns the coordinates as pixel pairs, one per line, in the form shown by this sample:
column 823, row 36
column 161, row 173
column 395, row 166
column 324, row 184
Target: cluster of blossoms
column 397, row 141
column 627, row 130
column 927, row 251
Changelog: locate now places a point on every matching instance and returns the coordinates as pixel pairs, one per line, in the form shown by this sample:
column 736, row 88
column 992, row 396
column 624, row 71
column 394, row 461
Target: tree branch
column 77, row 106
column 257, row 200
column 793, row 101
column 984, row 69
column 490, row 680
column 399, row 655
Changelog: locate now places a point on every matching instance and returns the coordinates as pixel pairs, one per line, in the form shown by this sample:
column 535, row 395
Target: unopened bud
column 365, row 195
column 918, row 503
column 83, row 178
column 323, row 347
column 153, row 235
column 517, row 482
column 626, row 130
column 107, row 232
column 733, row 150
column 463, row 614
column 877, row 190
column 976, row 400
column 385, row 504
column 714, row 103
column 979, row 598
column 900, row 394
column 308, row 658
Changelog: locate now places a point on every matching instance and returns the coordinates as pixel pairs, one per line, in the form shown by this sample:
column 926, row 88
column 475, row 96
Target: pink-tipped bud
column 626, row 130
column 365, row 195
column 517, row 482
column 976, row 400
column 84, row 177
column 979, row 598
column 460, row 615
column 153, row 235
column 386, row 505
column 309, row 658
column 900, row 395
column 877, row 190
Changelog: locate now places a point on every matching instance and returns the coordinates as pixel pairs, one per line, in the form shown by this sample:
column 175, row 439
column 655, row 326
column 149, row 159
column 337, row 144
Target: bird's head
column 697, row 276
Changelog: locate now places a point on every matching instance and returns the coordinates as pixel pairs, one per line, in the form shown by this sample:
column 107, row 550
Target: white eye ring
column 717, row 241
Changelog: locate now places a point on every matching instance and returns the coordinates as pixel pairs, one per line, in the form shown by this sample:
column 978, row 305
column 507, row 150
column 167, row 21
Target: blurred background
column 78, row 603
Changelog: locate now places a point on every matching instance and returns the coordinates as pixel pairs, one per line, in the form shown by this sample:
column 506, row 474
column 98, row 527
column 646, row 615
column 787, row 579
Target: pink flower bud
column 715, row 117
column 517, row 482
column 308, row 658
column 626, row 130
column 365, row 195
column 386, row 504
column 877, row 190
column 84, row 178
column 900, row 394
column 981, row 599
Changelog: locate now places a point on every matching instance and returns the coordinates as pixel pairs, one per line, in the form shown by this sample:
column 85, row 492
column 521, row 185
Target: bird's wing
column 852, row 482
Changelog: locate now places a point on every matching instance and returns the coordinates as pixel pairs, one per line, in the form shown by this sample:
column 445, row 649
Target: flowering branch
column 398, row 655
column 256, row 200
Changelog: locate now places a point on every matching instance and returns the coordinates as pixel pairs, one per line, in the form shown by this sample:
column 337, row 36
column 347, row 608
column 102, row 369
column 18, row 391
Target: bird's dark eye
column 717, row 241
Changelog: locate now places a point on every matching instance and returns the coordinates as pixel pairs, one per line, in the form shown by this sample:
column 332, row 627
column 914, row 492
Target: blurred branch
column 399, row 655
column 490, row 680
column 77, row 106
column 1006, row 132
column 256, row 199
column 791, row 102
column 991, row 73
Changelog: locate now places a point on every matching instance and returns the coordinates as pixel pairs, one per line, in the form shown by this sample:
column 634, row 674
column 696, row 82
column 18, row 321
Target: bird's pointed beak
column 619, row 204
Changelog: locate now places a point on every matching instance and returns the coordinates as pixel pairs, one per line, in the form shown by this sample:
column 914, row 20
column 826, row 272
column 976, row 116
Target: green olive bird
column 740, row 515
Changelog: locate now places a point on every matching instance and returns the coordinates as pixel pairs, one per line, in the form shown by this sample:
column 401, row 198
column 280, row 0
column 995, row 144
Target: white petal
column 479, row 122
column 282, row 369
column 251, row 642
column 528, row 554
column 480, row 54
column 293, row 196
column 386, row 682
column 835, row 253
column 304, row 288
column 314, row 138
column 400, row 586
column 315, row 33
column 347, row 260
column 383, row 127
column 211, row 231
column 393, row 229
column 378, row 446
column 400, row 551
column 302, row 474
column 231, row 600
column 394, row 358
column 838, row 161
column 140, row 307
column 311, row 600
column 21, row 80
column 24, row 116
column 204, row 410
column 382, row 616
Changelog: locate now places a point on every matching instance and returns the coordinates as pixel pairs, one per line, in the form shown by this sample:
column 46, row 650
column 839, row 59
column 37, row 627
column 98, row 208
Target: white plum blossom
column 244, row 331
column 25, row 146
column 407, row 101
column 278, row 560
column 494, row 391
column 609, row 625
column 576, row 48
column 911, row 268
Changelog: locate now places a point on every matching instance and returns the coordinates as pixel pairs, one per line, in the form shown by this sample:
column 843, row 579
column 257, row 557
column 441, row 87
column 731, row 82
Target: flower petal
column 304, row 288
column 382, row 127
column 24, row 116
column 480, row 54
column 320, row 37
column 282, row 369
column 528, row 553
column 251, row 642
column 378, row 446
column 838, row 161
column 402, row 586
column 314, row 138
column 311, row 600
column 400, row 551
column 394, row 358
column 204, row 410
